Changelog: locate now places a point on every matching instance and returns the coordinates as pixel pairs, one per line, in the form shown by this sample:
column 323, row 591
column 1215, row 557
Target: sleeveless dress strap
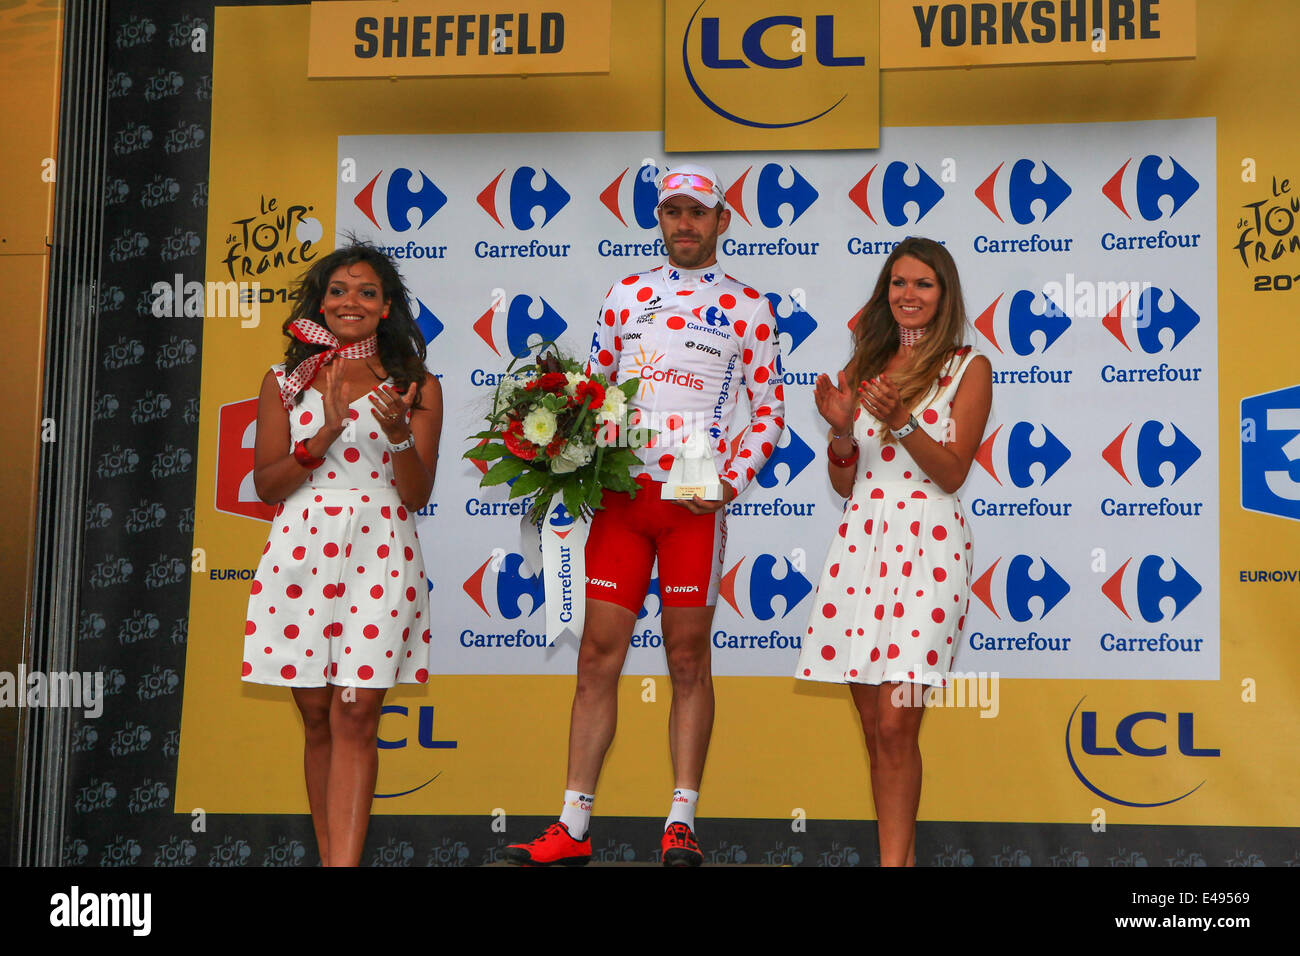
column 965, row 361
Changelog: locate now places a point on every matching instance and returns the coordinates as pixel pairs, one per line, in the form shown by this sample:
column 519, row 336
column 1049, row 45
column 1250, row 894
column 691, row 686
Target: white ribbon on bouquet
column 557, row 551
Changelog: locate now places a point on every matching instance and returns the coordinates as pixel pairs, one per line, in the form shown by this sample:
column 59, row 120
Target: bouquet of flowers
column 555, row 429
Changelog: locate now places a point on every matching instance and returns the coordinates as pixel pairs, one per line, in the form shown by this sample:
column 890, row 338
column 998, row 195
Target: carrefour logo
column 1162, row 319
column 1270, row 453
column 637, row 201
column 520, row 324
column 770, row 194
column 704, row 43
column 1105, row 776
column 794, row 322
column 1027, row 315
column 1020, row 586
column 1148, row 188
column 1149, row 453
column 794, row 455
column 501, row 584
column 1148, row 589
column 764, row 587
column 405, row 194
column 522, row 197
column 429, row 324
column 1021, row 191
column 893, row 194
column 1020, row 452
column 560, row 521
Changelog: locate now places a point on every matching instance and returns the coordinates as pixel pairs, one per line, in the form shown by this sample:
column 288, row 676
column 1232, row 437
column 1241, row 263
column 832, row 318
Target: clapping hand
column 881, row 399
column 836, row 403
column 333, row 397
column 392, row 409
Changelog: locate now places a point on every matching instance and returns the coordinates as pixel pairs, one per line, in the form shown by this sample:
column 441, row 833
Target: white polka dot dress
column 340, row 595
column 894, row 593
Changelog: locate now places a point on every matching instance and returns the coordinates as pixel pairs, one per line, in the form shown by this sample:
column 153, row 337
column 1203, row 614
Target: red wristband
column 839, row 462
column 304, row 458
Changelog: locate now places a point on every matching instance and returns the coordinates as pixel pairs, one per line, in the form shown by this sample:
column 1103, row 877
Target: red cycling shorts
column 627, row 535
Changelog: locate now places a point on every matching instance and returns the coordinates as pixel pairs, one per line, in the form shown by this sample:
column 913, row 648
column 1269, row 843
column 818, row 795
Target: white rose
column 574, row 379
column 539, row 426
column 571, row 458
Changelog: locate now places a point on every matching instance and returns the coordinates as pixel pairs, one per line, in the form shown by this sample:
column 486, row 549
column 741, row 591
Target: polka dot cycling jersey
column 694, row 338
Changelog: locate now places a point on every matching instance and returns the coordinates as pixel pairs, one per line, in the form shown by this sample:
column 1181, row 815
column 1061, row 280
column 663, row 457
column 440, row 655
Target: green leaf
column 485, row 452
column 528, row 482
column 503, row 471
column 574, row 498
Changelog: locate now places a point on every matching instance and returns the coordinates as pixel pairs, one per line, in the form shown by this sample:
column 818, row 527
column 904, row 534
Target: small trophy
column 693, row 473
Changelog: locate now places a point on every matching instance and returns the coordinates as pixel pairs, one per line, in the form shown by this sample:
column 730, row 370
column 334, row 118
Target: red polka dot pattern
column 900, row 633
column 300, row 626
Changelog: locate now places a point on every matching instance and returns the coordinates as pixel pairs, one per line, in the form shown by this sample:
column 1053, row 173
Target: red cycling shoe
column 679, row 846
column 555, row 847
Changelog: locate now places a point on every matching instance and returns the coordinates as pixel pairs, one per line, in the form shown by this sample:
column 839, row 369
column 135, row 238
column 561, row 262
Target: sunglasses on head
column 689, row 181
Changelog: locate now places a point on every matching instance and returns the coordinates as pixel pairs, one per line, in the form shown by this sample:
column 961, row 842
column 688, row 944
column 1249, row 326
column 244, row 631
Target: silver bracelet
column 911, row 426
column 409, row 443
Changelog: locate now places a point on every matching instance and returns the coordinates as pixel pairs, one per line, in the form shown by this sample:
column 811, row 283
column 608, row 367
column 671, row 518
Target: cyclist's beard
column 693, row 256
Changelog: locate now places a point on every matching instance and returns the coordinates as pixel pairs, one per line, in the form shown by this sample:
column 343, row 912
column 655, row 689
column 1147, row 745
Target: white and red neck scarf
column 305, row 330
column 909, row 337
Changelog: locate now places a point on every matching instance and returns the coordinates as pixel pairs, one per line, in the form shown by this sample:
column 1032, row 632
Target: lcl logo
column 1126, row 735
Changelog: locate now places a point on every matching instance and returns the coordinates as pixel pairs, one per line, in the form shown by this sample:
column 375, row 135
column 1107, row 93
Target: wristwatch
column 911, row 426
column 402, row 446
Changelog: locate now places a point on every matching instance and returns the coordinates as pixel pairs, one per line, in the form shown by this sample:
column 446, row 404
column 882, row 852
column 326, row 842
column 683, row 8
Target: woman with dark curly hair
column 339, row 609
column 906, row 418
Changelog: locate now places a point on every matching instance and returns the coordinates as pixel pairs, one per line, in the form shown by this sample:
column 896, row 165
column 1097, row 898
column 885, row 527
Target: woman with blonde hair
column 906, row 417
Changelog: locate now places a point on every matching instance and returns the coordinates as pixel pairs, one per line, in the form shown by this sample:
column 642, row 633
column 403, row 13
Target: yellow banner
column 967, row 33
column 443, row 38
column 771, row 74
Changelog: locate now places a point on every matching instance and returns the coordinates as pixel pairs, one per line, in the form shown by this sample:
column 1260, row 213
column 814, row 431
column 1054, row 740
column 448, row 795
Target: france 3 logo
column 1270, row 453
column 760, row 588
column 1019, row 453
column 522, row 198
column 1019, row 585
column 1148, row 454
column 502, row 583
column 1147, row 591
column 402, row 195
column 1144, row 189
column 795, row 322
column 894, row 193
column 520, row 323
column 236, row 435
column 1020, row 191
column 770, row 193
column 1152, row 318
column 1023, row 317
column 638, row 201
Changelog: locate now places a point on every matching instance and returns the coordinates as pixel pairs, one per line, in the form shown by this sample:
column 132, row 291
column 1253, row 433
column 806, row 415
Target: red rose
column 519, row 447
column 553, row 382
column 595, row 390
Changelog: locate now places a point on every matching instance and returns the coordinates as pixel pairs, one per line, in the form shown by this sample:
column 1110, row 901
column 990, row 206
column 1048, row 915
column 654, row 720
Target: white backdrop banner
column 1087, row 261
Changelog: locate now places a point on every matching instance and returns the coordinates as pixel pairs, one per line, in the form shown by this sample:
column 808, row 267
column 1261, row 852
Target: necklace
column 909, row 337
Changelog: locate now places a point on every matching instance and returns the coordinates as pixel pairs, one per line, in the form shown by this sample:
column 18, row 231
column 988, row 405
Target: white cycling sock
column 576, row 814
